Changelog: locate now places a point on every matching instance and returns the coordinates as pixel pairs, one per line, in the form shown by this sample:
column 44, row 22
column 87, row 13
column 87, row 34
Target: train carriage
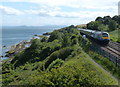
column 98, row 36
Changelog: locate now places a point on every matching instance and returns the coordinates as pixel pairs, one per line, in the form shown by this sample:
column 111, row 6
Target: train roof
column 88, row 30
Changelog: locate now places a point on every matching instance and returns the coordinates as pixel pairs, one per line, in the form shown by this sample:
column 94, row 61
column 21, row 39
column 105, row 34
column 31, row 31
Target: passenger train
column 98, row 36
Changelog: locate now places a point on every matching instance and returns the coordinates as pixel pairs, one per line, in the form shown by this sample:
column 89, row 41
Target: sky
column 54, row 12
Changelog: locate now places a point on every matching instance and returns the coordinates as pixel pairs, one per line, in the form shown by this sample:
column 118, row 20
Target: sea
column 12, row 35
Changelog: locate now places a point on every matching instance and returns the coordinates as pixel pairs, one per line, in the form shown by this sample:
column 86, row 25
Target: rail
column 107, row 51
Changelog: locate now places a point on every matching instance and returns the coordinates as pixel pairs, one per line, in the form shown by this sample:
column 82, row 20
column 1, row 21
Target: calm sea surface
column 13, row 35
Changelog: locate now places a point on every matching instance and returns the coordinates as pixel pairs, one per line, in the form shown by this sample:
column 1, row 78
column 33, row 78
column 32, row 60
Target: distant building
column 119, row 8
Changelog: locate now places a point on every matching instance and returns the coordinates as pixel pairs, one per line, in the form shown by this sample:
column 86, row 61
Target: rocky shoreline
column 14, row 49
column 17, row 48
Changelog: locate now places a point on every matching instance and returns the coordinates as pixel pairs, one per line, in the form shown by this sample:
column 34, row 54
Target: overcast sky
column 54, row 12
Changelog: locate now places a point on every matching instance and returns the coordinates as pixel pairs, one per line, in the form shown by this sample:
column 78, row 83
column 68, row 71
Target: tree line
column 105, row 23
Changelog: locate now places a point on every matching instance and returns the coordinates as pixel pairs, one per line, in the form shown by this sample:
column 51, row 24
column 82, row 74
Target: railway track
column 111, row 51
column 113, row 48
column 114, row 45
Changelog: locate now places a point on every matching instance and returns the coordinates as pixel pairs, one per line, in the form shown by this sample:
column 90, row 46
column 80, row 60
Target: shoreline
column 16, row 48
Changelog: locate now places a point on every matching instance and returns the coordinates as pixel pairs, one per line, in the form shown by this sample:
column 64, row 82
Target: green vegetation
column 57, row 61
column 105, row 63
column 84, row 26
column 114, row 35
column 106, row 23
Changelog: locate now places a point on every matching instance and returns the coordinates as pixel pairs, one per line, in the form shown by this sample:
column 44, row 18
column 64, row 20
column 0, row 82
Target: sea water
column 14, row 34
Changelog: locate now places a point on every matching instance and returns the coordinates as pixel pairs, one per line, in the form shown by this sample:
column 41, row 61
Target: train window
column 104, row 34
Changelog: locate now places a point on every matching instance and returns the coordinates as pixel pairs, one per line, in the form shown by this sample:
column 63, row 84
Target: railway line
column 101, row 43
column 114, row 45
column 112, row 51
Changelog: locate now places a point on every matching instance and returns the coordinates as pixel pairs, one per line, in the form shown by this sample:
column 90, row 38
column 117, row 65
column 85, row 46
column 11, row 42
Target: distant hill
column 37, row 26
column 81, row 26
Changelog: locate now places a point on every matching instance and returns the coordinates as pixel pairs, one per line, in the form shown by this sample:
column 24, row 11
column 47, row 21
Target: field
column 114, row 35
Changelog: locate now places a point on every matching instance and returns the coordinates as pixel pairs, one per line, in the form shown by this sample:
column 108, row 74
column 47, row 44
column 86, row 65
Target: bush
column 55, row 64
column 61, row 54
column 106, row 63
column 38, row 51
column 55, row 35
column 44, row 39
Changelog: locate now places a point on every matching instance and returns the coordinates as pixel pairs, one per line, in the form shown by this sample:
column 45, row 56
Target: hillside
column 59, row 60
column 114, row 35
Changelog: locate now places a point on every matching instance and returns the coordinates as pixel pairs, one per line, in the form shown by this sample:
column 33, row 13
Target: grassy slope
column 84, row 64
column 79, row 68
column 114, row 35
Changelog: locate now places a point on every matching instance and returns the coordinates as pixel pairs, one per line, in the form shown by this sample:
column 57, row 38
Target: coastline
column 16, row 48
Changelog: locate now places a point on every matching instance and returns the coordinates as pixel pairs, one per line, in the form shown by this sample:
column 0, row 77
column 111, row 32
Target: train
column 100, row 37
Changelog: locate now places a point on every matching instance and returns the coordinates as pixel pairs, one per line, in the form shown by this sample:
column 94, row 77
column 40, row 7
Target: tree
column 112, row 25
column 55, row 35
column 103, row 27
column 93, row 25
column 66, row 40
column 100, row 19
column 116, row 18
column 71, row 26
column 106, row 19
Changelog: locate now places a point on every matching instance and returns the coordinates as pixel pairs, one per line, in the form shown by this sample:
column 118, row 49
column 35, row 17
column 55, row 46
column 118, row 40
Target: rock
column 4, row 46
column 48, row 33
column 1, row 56
column 35, row 35
column 10, row 53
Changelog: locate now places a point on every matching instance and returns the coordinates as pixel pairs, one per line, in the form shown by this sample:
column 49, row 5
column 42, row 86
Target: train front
column 105, row 38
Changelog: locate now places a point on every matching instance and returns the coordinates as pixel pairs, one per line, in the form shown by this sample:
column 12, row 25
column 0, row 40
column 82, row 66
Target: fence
column 104, row 53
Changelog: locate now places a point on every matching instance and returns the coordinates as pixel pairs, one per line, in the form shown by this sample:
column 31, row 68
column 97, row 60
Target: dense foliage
column 106, row 23
column 114, row 35
column 57, row 61
column 105, row 63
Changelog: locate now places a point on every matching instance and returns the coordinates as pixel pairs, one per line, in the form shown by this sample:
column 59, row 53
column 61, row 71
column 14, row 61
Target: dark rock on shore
column 35, row 35
column 17, row 48
column 1, row 56
column 9, row 53
column 48, row 33
column 4, row 46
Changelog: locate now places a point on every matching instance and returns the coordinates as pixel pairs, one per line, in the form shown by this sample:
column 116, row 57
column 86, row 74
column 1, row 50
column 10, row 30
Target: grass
column 106, row 64
column 76, row 71
column 114, row 35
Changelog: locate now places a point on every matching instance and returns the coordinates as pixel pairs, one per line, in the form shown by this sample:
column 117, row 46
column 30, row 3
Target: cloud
column 53, row 8
column 71, row 3
column 64, row 11
column 59, row 13
column 10, row 11
column 119, row 8
column 66, row 2
column 84, row 4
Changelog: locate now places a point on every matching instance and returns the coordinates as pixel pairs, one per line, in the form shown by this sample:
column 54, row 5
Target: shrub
column 55, row 64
